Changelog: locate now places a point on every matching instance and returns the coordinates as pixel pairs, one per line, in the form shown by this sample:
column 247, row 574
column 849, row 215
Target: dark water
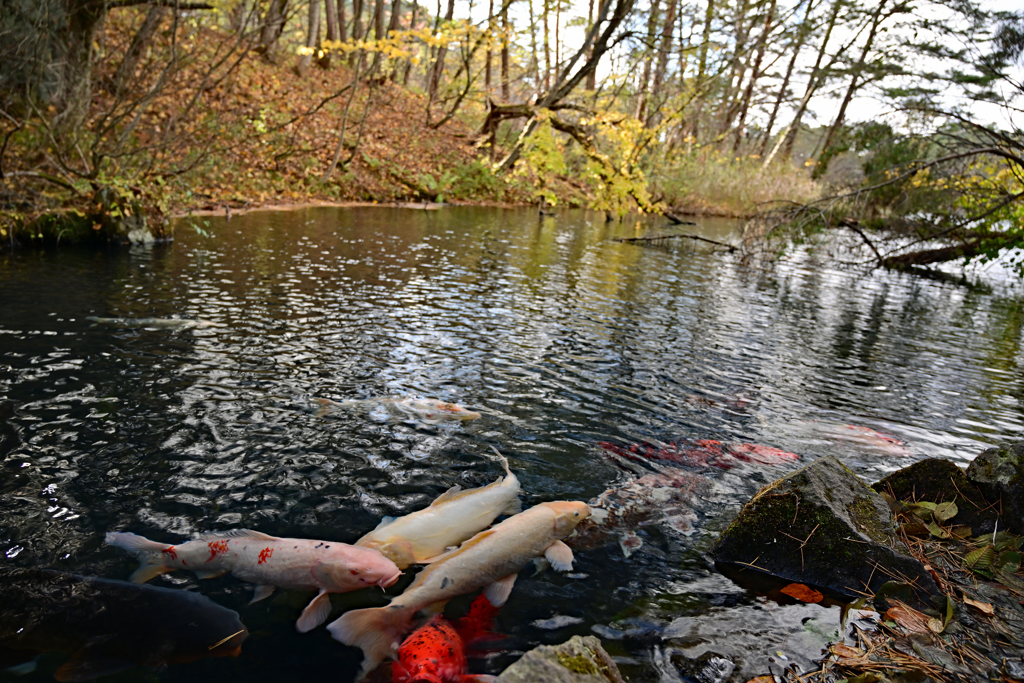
column 559, row 336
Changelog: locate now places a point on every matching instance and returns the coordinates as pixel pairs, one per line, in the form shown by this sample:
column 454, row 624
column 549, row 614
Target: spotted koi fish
column 434, row 653
column 269, row 562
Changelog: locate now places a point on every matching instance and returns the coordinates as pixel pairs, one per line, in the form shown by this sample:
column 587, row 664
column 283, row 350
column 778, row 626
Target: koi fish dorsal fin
column 239, row 533
column 455, row 551
column 384, row 521
column 450, row 494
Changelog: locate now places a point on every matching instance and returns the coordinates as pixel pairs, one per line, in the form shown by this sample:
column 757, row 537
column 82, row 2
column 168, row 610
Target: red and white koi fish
column 702, row 453
column 451, row 519
column 434, row 653
column 426, row 410
column 269, row 562
column 491, row 559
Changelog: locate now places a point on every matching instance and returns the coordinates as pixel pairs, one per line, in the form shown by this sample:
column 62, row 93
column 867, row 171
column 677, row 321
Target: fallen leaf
column 848, row 656
column 802, row 593
column 762, row 679
column 983, row 607
column 909, row 618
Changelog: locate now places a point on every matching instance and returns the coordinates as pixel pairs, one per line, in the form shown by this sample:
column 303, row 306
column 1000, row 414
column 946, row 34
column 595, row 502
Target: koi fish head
column 368, row 568
column 436, row 411
column 567, row 515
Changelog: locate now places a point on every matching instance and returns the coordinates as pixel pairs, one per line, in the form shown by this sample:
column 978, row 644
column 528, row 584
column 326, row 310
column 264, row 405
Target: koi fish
column 434, row 653
column 477, row 624
column 110, row 625
column 452, row 518
column 426, row 410
column 665, row 499
column 490, row 560
column 159, row 323
column 702, row 453
column 267, row 561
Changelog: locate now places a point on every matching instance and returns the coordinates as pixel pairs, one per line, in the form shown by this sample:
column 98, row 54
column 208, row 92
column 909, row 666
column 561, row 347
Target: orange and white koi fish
column 425, row 410
column 491, row 559
column 451, row 519
column 269, row 562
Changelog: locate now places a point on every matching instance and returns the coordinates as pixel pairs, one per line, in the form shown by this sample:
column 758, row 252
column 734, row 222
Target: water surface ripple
column 561, row 337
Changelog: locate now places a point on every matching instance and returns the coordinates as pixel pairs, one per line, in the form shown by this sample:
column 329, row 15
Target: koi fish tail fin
column 377, row 631
column 149, row 554
column 325, row 405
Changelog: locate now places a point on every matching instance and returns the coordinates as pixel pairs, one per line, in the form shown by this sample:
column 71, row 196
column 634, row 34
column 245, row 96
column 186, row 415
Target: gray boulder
column 581, row 659
column 999, row 473
column 823, row 527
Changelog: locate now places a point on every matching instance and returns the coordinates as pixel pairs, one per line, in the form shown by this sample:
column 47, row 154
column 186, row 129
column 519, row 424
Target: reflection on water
column 558, row 336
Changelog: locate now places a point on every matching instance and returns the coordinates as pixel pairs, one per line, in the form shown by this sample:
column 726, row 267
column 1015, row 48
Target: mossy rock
column 581, row 659
column 936, row 480
column 823, row 527
column 999, row 474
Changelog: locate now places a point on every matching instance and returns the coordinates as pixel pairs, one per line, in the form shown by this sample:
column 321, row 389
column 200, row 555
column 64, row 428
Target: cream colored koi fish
column 426, row 410
column 267, row 561
column 451, row 519
column 490, row 559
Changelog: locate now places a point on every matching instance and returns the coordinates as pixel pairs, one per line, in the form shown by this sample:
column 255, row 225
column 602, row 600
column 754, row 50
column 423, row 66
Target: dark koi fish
column 108, row 625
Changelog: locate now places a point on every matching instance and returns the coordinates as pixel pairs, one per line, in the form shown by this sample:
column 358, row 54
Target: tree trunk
column 126, row 70
column 488, row 55
column 755, row 73
column 592, row 77
column 273, row 25
column 738, row 70
column 702, row 69
column 378, row 21
column 331, row 18
column 645, row 78
column 506, row 29
column 664, row 50
column 412, row 26
column 341, row 21
column 436, row 73
column 855, row 80
column 533, row 48
column 312, row 38
column 816, row 77
column 794, row 49
column 547, row 46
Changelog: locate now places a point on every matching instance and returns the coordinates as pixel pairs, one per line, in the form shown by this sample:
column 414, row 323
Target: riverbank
column 259, row 136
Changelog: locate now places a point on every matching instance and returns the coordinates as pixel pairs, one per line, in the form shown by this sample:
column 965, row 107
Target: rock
column 999, row 474
column 936, row 481
column 710, row 667
column 581, row 659
column 823, row 527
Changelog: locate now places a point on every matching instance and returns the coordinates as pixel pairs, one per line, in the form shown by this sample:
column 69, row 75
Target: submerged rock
column 937, row 481
column 999, row 474
column 581, row 659
column 823, row 527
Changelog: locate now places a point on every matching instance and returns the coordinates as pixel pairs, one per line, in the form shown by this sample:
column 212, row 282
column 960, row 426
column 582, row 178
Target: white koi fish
column 451, row 519
column 426, row 410
column 491, row 559
column 160, row 323
column 267, row 561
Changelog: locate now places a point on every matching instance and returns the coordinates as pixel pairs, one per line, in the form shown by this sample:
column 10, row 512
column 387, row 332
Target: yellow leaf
column 983, row 607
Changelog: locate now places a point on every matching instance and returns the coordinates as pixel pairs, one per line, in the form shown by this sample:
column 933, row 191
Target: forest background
column 115, row 113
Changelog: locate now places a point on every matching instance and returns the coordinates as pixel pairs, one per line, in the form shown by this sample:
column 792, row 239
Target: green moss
column 864, row 514
column 580, row 664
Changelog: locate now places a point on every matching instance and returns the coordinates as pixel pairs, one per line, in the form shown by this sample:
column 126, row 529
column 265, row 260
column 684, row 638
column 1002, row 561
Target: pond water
column 562, row 338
